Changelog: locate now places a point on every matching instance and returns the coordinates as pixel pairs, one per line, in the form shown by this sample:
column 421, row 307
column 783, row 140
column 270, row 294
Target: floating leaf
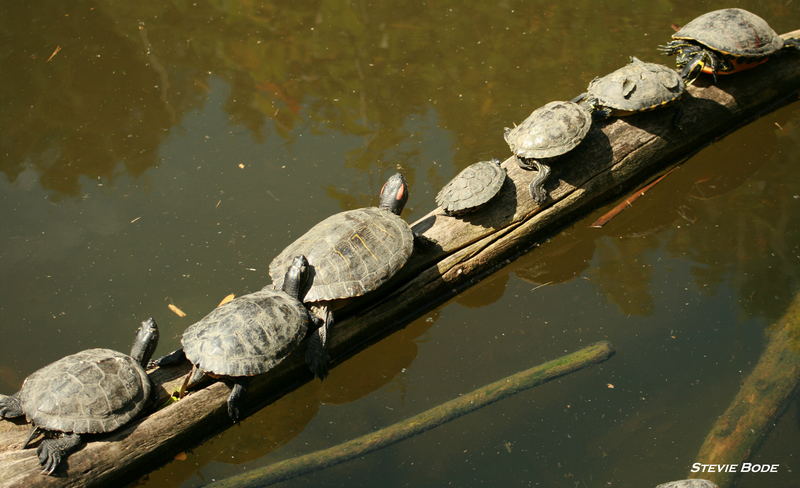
column 226, row 299
column 176, row 310
column 181, row 456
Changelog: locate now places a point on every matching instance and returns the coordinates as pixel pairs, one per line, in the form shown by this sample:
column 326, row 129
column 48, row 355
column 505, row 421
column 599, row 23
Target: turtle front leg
column 10, row 407
column 316, row 353
column 171, row 359
column 792, row 43
column 698, row 61
column 538, row 193
column 52, row 451
column 235, row 397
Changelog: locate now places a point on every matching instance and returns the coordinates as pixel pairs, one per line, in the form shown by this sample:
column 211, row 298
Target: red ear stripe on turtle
column 400, row 192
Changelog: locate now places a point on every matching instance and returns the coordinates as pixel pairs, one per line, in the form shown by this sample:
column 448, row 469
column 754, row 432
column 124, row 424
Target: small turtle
column 90, row 392
column 636, row 87
column 247, row 336
column 549, row 131
column 351, row 253
column 723, row 42
column 474, row 186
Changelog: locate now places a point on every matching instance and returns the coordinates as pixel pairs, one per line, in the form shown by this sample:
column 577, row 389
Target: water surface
column 164, row 152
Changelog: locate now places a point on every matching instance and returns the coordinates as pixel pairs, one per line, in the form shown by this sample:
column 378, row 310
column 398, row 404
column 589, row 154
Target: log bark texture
column 617, row 155
column 761, row 400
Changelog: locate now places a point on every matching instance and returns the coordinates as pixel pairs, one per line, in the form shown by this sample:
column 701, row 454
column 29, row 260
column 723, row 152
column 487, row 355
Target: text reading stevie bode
column 735, row 468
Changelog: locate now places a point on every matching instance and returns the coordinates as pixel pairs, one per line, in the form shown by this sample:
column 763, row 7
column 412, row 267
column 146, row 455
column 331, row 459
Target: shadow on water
column 277, row 424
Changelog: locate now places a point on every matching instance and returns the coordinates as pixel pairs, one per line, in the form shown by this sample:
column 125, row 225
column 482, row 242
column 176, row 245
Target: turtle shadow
column 498, row 211
column 672, row 122
column 591, row 157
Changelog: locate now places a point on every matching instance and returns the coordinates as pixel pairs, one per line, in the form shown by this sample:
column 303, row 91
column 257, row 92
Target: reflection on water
column 163, row 152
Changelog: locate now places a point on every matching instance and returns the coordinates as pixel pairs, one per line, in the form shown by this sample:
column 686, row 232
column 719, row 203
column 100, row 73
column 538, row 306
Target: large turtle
column 636, row 87
column 247, row 336
column 351, row 253
column 549, row 131
column 473, row 187
column 723, row 42
column 89, row 392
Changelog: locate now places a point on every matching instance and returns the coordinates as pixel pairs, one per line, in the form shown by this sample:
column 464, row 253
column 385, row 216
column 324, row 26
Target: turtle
column 549, row 131
column 474, row 186
column 247, row 336
column 723, row 42
column 90, row 392
column 351, row 253
column 636, row 87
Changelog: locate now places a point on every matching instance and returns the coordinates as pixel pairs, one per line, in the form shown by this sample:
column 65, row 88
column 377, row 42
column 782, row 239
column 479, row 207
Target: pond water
column 164, row 152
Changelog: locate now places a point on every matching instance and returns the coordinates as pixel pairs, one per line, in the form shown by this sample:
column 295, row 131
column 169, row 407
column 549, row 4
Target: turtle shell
column 637, row 86
column 550, row 130
column 472, row 187
column 248, row 335
column 93, row 391
column 732, row 31
column 351, row 253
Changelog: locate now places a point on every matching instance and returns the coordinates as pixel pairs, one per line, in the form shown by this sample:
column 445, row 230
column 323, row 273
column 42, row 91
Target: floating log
column 762, row 398
column 422, row 422
column 617, row 155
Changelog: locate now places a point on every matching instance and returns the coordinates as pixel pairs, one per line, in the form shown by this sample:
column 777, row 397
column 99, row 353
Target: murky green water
column 168, row 150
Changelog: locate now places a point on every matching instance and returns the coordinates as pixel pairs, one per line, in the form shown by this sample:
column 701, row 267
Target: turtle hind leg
column 317, row 357
column 238, row 390
column 52, row 451
column 538, row 193
column 10, row 406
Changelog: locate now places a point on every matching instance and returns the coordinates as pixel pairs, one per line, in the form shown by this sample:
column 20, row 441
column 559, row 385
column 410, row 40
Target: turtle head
column 294, row 282
column 394, row 194
column 146, row 341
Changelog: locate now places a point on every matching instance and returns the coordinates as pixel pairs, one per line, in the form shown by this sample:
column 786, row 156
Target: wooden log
column 422, row 422
column 762, row 398
column 617, row 155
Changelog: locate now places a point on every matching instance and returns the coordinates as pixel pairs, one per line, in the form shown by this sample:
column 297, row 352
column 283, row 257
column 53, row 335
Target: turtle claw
column 49, row 457
column 52, row 451
column 316, row 356
column 171, row 359
column 233, row 413
column 238, row 390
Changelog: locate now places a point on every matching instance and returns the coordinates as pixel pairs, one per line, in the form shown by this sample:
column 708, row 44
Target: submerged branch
column 761, row 400
column 427, row 420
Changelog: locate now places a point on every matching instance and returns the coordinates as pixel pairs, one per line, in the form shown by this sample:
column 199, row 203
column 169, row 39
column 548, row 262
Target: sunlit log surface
column 617, row 155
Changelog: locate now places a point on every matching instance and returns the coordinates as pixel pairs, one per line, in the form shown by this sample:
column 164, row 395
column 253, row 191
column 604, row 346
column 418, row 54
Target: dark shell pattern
column 732, row 31
column 474, row 186
column 93, row 391
column 549, row 131
column 637, row 86
column 351, row 253
column 248, row 335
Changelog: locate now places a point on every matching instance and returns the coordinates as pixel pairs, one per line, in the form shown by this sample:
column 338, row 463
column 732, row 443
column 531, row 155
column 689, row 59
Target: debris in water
column 177, row 311
column 55, row 51
column 227, row 298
